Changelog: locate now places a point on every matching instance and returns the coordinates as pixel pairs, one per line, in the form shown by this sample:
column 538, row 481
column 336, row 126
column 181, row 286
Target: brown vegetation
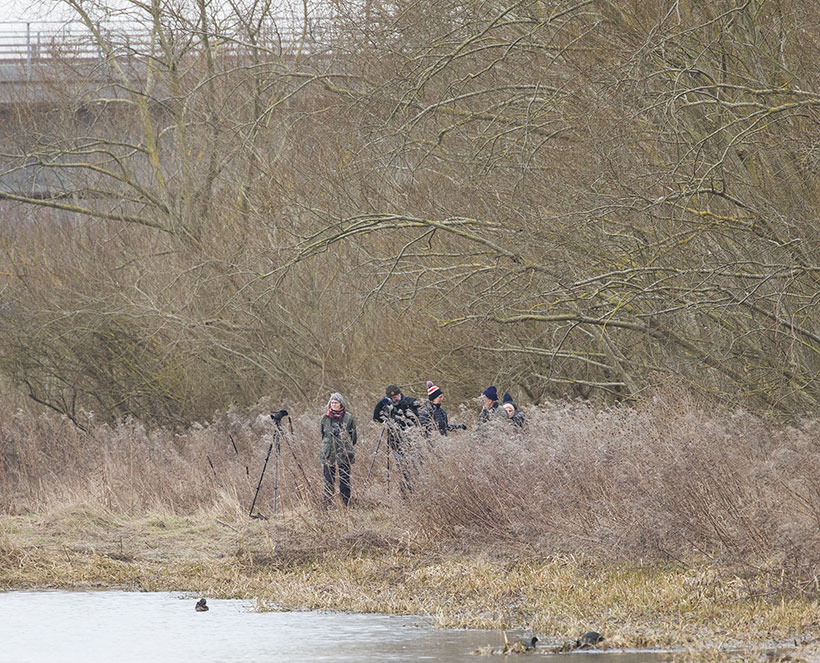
column 666, row 482
column 571, row 198
column 625, row 518
column 576, row 200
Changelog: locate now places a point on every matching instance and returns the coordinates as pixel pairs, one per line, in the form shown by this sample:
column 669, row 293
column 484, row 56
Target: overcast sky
column 28, row 10
column 54, row 10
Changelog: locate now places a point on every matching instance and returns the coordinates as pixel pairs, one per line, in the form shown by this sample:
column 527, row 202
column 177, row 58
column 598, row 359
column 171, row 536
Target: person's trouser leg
column 344, row 482
column 330, row 482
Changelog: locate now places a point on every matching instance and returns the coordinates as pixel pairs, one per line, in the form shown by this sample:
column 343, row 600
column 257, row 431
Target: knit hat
column 392, row 390
column 507, row 399
column 336, row 396
column 490, row 392
column 433, row 392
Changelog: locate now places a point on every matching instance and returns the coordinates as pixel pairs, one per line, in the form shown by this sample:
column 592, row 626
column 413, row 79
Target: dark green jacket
column 338, row 440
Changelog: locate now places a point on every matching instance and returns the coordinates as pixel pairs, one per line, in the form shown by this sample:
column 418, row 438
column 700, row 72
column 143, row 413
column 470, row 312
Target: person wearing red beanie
column 432, row 415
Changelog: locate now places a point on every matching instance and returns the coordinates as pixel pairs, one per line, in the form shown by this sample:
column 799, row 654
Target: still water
column 86, row 627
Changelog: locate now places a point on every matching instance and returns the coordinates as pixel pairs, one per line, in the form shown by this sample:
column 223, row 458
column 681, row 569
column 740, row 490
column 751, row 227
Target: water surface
column 157, row 627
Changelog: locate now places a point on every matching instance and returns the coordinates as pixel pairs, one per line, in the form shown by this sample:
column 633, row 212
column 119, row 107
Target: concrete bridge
column 34, row 53
column 44, row 65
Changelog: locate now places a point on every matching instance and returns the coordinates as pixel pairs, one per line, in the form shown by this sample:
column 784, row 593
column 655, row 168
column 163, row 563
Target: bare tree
column 575, row 198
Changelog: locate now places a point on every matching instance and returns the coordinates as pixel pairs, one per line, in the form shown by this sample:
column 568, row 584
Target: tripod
column 277, row 433
column 375, row 453
column 278, row 436
column 393, row 439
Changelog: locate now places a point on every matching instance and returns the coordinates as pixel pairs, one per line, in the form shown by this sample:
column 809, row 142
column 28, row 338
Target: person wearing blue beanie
column 514, row 415
column 489, row 406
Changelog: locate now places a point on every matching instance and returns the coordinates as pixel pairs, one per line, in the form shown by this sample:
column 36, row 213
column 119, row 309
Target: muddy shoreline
column 336, row 562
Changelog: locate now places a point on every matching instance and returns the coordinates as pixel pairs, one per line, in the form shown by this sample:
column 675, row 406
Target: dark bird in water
column 200, row 606
column 520, row 647
column 589, row 639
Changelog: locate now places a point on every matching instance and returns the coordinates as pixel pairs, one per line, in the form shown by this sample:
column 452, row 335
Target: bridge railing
column 31, row 42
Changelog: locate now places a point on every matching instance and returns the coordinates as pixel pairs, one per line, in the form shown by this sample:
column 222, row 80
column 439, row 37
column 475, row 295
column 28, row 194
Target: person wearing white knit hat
column 338, row 428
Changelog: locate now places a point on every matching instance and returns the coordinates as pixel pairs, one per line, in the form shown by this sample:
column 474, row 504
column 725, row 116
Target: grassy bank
column 667, row 524
column 351, row 561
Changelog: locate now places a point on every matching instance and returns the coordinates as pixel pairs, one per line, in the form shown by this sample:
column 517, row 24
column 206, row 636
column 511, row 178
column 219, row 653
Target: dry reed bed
column 633, row 519
column 664, row 480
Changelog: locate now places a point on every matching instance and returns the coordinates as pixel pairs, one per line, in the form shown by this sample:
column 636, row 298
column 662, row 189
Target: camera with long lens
column 277, row 416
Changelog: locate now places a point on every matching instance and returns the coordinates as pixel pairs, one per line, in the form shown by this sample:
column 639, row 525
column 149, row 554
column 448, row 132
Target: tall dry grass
column 667, row 480
column 663, row 480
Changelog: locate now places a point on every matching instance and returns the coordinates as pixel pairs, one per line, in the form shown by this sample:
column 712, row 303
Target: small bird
column 519, row 647
column 589, row 639
column 200, row 606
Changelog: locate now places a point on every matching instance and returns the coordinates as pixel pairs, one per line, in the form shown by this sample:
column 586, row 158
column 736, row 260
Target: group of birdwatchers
column 398, row 414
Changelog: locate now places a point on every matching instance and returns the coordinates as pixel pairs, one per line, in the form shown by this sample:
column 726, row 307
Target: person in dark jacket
column 398, row 413
column 514, row 415
column 490, row 410
column 338, row 428
column 402, row 410
column 432, row 416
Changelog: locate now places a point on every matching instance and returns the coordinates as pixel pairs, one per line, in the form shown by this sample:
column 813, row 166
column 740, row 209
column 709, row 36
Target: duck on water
column 526, row 646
